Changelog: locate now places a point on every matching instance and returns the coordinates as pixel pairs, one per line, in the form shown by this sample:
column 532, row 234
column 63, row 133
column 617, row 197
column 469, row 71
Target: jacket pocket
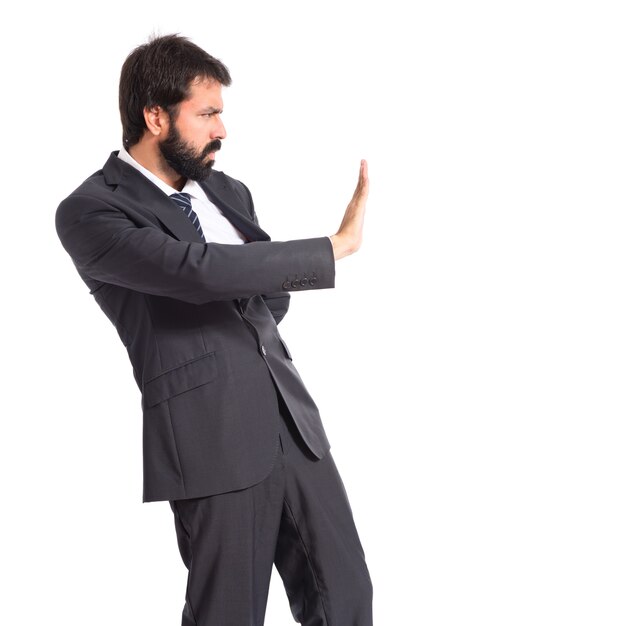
column 185, row 377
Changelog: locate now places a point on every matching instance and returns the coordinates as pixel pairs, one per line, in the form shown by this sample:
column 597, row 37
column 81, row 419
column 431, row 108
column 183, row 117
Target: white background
column 470, row 363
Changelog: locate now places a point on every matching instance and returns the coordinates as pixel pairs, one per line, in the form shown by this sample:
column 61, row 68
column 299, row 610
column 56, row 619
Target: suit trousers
column 298, row 518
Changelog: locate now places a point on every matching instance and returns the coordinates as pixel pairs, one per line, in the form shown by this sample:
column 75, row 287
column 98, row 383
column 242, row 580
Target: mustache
column 214, row 146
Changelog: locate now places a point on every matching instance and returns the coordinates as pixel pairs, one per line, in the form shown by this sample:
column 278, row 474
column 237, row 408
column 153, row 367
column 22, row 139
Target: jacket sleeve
column 107, row 246
column 277, row 303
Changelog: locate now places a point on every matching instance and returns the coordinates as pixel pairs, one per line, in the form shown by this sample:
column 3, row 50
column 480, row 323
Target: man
column 173, row 253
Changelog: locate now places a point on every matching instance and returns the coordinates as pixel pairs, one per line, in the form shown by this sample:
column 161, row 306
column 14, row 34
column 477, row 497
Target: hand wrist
column 340, row 247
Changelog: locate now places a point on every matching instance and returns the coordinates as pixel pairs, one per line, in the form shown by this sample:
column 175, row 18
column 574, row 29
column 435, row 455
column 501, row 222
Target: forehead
column 204, row 93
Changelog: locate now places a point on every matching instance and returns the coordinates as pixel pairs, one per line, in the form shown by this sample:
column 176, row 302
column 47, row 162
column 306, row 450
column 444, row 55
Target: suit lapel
column 142, row 194
column 219, row 193
column 137, row 190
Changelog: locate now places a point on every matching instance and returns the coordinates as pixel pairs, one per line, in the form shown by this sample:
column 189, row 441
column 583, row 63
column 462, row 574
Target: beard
column 184, row 159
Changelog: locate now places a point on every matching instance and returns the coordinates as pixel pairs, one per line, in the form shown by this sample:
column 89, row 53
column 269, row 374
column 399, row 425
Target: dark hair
column 161, row 72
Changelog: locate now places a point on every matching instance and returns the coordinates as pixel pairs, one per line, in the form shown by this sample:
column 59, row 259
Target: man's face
column 193, row 139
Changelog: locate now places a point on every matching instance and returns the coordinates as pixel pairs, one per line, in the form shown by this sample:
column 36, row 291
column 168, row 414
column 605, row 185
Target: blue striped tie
column 183, row 200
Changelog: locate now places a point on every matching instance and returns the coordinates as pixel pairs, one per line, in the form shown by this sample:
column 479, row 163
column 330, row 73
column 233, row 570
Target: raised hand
column 348, row 238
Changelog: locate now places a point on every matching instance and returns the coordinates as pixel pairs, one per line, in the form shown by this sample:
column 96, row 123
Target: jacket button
column 295, row 283
column 286, row 284
column 312, row 281
column 303, row 282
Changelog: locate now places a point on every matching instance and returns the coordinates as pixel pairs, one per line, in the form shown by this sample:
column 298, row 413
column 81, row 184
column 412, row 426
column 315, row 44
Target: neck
column 151, row 158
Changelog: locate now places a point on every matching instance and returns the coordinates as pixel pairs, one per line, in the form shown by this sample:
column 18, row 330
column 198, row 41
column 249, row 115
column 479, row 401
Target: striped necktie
column 183, row 201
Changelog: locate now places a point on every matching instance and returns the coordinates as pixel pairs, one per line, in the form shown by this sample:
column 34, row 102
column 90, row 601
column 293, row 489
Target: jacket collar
column 136, row 188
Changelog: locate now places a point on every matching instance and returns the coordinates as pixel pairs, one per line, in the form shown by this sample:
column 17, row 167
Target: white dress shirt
column 215, row 226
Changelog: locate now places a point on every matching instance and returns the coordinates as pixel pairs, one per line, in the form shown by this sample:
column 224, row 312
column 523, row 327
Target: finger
column 362, row 174
column 363, row 171
column 364, row 180
column 363, row 177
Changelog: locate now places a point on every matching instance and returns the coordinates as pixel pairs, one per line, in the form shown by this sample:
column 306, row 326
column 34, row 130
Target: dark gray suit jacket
column 199, row 322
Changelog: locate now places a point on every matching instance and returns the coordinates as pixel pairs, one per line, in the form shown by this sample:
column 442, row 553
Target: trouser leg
column 227, row 542
column 300, row 518
column 319, row 555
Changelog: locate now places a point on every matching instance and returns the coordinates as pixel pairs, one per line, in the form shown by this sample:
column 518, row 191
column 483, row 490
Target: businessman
column 173, row 253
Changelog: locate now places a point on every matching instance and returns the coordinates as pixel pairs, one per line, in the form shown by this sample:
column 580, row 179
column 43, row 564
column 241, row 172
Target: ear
column 157, row 120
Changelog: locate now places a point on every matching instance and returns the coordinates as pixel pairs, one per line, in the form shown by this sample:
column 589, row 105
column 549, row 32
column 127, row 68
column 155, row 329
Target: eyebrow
column 211, row 110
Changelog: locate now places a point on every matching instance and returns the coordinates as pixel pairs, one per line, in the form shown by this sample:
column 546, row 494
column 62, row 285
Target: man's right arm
column 109, row 247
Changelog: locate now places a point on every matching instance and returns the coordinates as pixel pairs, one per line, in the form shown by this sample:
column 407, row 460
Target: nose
column 220, row 130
